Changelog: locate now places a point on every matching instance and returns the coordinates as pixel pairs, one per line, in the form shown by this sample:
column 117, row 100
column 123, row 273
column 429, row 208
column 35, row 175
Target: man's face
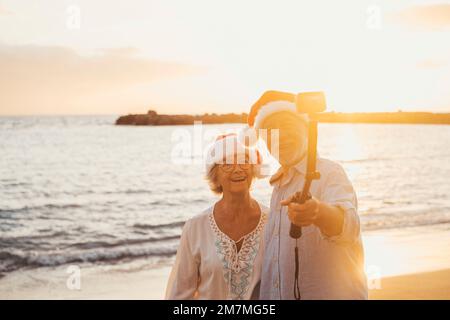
column 291, row 145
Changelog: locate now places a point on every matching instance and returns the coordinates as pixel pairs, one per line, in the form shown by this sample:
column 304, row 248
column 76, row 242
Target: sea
column 81, row 190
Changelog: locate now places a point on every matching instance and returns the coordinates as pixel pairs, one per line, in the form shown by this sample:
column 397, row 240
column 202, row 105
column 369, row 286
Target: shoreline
column 409, row 263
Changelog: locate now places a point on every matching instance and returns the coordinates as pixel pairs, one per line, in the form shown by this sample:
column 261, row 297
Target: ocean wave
column 125, row 242
column 11, row 262
column 16, row 184
column 130, row 191
column 362, row 160
column 144, row 226
column 36, row 237
column 383, row 225
column 45, row 206
column 14, row 261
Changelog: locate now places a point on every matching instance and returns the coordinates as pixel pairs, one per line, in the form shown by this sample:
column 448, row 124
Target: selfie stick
column 311, row 174
column 310, row 103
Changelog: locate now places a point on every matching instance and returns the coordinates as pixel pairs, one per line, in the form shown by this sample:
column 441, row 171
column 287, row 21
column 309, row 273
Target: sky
column 120, row 57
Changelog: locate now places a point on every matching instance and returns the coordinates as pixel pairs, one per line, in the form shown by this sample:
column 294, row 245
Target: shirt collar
column 299, row 167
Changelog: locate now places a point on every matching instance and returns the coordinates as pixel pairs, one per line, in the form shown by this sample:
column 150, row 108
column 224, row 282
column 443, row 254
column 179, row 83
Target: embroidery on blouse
column 237, row 266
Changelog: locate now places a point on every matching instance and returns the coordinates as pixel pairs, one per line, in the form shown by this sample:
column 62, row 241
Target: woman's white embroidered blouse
column 209, row 266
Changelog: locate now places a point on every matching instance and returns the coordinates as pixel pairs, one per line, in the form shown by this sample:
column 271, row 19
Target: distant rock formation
column 154, row 119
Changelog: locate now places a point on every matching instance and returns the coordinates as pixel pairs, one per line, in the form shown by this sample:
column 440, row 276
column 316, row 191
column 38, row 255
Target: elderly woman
column 220, row 252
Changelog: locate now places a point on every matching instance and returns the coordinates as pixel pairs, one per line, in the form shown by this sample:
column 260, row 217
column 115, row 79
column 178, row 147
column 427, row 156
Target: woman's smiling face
column 235, row 175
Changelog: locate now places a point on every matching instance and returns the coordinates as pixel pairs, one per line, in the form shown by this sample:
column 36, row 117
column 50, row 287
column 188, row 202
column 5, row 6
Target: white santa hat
column 227, row 146
column 270, row 103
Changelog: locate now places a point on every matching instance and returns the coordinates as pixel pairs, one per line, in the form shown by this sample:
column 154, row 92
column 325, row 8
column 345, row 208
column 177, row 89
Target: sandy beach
column 401, row 264
column 428, row 285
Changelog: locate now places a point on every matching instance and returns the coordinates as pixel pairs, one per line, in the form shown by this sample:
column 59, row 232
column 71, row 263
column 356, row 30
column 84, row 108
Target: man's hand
column 329, row 219
column 304, row 214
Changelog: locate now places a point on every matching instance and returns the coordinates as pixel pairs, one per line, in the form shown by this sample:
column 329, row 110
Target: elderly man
column 330, row 251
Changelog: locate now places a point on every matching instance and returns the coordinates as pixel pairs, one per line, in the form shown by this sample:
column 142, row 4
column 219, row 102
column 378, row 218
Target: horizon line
column 195, row 114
